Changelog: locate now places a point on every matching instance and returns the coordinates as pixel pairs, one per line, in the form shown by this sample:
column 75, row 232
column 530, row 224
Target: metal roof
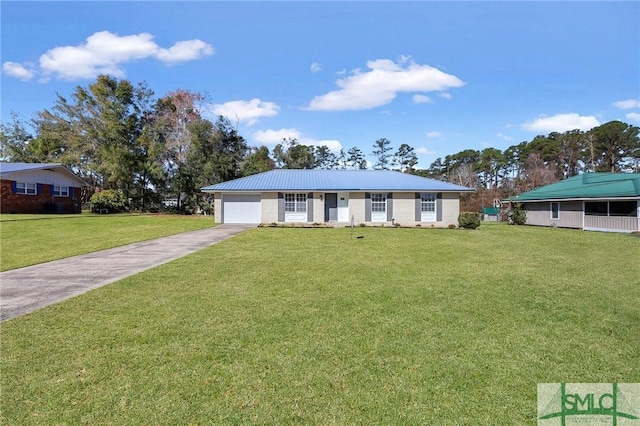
column 334, row 180
column 7, row 169
column 490, row 210
column 587, row 185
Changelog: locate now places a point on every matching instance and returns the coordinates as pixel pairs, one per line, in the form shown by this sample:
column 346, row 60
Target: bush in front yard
column 111, row 200
column 469, row 220
column 517, row 215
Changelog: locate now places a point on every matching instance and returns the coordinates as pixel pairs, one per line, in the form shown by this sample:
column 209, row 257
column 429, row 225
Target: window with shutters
column 428, row 202
column 379, row 203
column 428, row 207
column 295, row 203
column 26, row 188
column 60, row 191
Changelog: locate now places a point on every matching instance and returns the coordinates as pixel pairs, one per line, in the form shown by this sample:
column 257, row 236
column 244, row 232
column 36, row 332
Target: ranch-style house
column 337, row 197
column 39, row 188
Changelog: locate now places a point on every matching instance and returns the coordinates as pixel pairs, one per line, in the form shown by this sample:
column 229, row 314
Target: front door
column 330, row 207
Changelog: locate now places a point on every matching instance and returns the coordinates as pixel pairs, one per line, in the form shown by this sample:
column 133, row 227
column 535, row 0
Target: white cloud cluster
column 424, row 151
column 561, row 123
column 381, row 84
column 633, row 116
column 247, row 112
column 272, row 137
column 629, row 104
column 23, row 72
column 104, row 53
column 316, row 67
column 421, row 99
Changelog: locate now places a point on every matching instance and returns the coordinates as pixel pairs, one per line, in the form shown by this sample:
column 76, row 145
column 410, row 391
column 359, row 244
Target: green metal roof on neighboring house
column 587, row 185
column 490, row 210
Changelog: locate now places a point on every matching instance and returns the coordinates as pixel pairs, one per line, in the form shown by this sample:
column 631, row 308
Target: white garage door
column 241, row 208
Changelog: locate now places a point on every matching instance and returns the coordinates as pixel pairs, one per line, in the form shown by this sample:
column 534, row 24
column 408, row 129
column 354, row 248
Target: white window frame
column 295, row 203
column 428, row 202
column 60, row 191
column 26, row 188
column 378, row 201
column 428, row 207
column 551, row 210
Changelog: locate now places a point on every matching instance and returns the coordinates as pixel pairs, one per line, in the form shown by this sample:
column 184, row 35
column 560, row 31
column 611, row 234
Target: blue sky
column 439, row 76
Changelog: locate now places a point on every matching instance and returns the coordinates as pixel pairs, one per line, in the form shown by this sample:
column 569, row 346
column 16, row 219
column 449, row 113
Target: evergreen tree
column 356, row 158
column 258, row 161
column 405, row 158
column 382, row 151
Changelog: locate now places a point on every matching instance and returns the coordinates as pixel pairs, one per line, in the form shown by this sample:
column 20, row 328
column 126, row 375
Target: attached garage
column 241, row 208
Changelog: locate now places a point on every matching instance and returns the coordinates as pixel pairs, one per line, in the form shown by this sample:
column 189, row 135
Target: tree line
column 610, row 147
column 117, row 135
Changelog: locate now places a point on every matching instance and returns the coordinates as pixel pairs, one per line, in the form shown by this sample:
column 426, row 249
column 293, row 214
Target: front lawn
column 315, row 326
column 29, row 239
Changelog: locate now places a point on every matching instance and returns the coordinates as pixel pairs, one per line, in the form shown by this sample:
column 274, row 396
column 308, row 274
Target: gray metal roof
column 7, row 169
column 334, row 180
column 21, row 167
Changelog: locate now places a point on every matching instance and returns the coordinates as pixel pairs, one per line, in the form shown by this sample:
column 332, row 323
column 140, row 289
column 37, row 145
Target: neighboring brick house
column 39, row 188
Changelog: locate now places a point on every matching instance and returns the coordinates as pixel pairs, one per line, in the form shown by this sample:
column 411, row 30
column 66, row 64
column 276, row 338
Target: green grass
column 311, row 326
column 30, row 239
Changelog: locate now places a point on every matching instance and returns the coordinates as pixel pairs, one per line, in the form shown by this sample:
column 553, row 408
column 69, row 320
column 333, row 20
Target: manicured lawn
column 29, row 239
column 311, row 326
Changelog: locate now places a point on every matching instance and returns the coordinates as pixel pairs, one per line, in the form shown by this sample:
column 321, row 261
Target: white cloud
column 272, row 137
column 341, row 72
column 633, row 116
column 334, row 145
column 421, row 99
column 424, row 151
column 627, row 104
column 248, row 112
column 316, row 67
column 504, row 137
column 433, row 135
column 105, row 53
column 20, row 71
column 561, row 123
column 184, row 51
column 444, row 95
column 381, row 84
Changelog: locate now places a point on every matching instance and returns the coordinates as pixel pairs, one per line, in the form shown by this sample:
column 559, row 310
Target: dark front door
column 330, row 207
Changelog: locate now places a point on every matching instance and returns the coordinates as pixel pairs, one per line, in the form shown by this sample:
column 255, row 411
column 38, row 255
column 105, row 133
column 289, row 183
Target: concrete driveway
column 27, row 289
